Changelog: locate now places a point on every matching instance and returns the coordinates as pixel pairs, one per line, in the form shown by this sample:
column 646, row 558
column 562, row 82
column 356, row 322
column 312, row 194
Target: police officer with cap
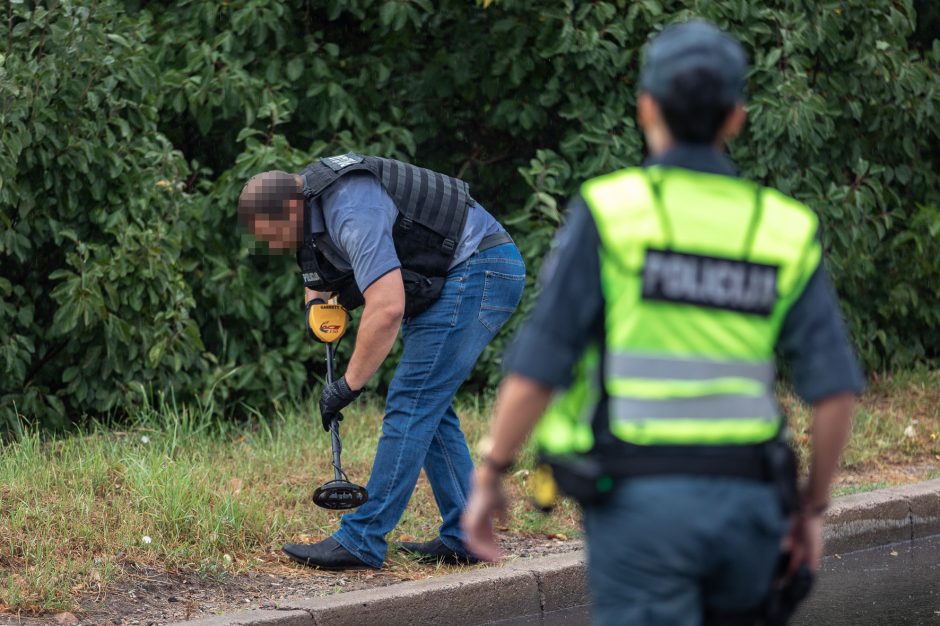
column 423, row 256
column 653, row 403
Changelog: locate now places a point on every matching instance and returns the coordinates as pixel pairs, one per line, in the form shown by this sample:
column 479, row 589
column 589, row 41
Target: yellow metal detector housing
column 543, row 488
column 327, row 322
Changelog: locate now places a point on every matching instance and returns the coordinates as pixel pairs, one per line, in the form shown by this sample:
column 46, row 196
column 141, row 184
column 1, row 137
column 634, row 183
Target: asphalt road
column 894, row 585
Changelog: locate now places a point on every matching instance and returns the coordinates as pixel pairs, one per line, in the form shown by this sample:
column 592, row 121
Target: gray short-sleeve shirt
column 359, row 215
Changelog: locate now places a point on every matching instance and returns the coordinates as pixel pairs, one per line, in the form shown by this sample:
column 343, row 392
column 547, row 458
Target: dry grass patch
column 896, row 435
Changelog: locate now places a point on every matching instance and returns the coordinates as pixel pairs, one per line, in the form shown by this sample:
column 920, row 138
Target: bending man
column 421, row 255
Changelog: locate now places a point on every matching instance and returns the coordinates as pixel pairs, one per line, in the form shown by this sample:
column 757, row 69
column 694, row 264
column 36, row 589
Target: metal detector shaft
column 337, row 448
column 329, row 364
column 334, row 425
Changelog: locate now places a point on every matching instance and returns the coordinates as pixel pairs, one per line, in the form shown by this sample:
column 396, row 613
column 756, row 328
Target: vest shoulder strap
column 434, row 200
column 787, row 224
column 623, row 209
column 322, row 173
column 791, row 210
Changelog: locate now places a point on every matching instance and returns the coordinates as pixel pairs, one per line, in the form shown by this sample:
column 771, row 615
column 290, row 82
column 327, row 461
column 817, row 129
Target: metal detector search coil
column 340, row 495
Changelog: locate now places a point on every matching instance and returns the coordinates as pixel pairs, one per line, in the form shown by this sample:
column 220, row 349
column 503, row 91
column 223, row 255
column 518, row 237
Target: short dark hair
column 267, row 194
column 698, row 106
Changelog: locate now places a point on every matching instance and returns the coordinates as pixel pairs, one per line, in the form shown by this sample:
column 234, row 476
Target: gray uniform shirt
column 813, row 339
column 359, row 216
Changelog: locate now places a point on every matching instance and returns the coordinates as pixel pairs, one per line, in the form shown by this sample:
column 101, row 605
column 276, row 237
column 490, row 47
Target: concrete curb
column 530, row 591
column 866, row 520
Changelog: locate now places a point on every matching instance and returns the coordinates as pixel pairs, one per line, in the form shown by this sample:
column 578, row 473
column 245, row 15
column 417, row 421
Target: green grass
column 211, row 497
column 216, row 498
column 848, row 490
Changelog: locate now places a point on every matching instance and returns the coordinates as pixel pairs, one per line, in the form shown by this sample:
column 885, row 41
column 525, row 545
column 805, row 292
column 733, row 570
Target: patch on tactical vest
column 336, row 163
column 710, row 282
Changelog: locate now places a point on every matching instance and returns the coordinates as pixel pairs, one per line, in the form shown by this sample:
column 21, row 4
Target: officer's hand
column 311, row 294
column 486, row 502
column 804, row 542
column 334, row 398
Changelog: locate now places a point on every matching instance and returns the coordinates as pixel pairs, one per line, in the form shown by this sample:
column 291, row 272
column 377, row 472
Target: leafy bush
column 128, row 130
column 95, row 300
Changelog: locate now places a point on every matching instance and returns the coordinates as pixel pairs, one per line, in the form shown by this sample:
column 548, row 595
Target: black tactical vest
column 432, row 211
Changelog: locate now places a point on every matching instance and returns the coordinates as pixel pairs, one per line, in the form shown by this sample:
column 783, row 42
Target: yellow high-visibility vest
column 698, row 272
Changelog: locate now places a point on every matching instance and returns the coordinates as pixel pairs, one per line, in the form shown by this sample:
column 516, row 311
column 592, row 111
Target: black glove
column 333, row 399
column 307, row 318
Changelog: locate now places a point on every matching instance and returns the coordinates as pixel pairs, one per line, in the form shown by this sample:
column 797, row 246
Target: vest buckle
column 406, row 223
column 449, row 245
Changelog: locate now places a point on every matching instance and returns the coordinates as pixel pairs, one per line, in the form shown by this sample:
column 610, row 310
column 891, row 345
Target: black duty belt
column 590, row 478
column 496, row 239
column 751, row 462
column 747, row 468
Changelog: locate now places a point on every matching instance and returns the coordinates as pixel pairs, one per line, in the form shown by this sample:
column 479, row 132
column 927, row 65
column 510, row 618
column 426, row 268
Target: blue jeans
column 665, row 547
column 420, row 427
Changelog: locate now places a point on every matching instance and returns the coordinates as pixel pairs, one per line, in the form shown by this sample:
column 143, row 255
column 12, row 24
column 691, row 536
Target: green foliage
column 850, row 127
column 95, row 298
column 128, row 130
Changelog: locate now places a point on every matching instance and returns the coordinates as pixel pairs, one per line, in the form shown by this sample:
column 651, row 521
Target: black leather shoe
column 436, row 550
column 326, row 554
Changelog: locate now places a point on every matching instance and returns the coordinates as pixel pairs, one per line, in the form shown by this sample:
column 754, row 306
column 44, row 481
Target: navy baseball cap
column 686, row 48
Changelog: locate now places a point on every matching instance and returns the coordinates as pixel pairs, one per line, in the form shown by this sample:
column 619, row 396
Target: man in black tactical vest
column 414, row 247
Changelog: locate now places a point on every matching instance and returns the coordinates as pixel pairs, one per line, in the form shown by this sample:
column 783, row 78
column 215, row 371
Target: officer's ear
column 649, row 117
column 734, row 123
column 647, row 111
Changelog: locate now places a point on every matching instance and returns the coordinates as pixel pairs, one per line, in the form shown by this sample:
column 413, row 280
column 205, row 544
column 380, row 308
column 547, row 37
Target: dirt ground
column 146, row 597
column 886, row 475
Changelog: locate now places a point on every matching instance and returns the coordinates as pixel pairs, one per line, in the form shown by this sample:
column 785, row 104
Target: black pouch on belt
column 420, row 291
column 581, row 477
column 780, row 469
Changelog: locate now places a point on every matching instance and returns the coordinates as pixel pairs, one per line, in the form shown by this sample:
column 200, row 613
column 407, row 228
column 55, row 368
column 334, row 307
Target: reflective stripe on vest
column 695, row 432
column 661, row 387
column 728, row 406
column 685, row 391
column 626, row 365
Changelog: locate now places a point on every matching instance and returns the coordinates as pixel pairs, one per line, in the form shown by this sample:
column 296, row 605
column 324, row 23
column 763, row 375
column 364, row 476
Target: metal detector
column 327, row 322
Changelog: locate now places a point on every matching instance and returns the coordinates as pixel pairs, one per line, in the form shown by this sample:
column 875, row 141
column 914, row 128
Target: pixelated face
column 277, row 210
column 279, row 234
